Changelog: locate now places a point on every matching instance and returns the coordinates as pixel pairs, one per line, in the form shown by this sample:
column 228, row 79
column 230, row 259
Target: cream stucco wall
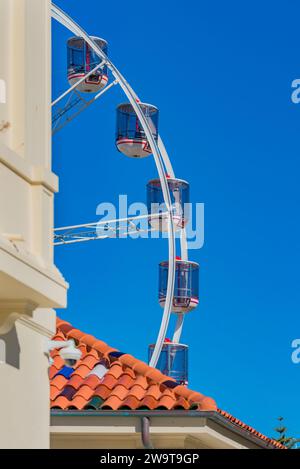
column 24, row 403
column 30, row 284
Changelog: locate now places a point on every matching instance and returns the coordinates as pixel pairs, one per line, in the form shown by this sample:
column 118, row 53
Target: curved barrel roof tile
column 127, row 384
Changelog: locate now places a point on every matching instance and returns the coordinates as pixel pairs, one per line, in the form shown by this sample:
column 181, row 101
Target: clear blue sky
column 220, row 73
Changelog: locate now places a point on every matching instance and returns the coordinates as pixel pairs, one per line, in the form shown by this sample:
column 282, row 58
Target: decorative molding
column 31, row 261
column 35, row 326
column 34, row 175
column 20, row 311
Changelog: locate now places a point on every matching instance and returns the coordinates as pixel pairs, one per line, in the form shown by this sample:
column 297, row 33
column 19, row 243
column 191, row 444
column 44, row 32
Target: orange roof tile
column 128, row 382
column 249, row 429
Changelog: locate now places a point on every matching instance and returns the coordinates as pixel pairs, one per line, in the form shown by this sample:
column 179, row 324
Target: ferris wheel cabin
column 173, row 361
column 186, row 289
column 82, row 60
column 180, row 197
column 130, row 136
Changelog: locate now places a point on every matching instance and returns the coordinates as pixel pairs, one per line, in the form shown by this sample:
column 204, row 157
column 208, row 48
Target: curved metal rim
column 161, row 160
column 94, row 38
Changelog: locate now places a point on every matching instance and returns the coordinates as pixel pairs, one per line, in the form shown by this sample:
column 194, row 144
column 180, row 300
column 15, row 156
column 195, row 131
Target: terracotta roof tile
column 249, row 429
column 64, row 326
column 137, row 391
column 101, row 347
column 154, row 391
column 148, row 402
column 141, row 381
column 131, row 403
column 60, row 402
column 52, row 371
column 181, row 403
column 77, row 403
column 128, row 360
column 119, row 391
column 140, row 368
column 76, row 381
column 166, row 402
column 129, row 371
column 93, row 353
column 102, row 391
column 58, row 361
column 109, row 381
column 112, row 403
column 60, row 335
column 59, row 381
column 92, row 381
column 206, row 403
column 128, row 382
column 90, row 361
column 155, row 375
column 116, row 371
column 74, row 334
column 166, row 391
column 82, row 371
column 85, row 391
column 54, row 392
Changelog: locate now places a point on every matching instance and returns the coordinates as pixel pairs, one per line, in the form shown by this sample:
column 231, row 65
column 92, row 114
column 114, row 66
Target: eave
column 202, row 429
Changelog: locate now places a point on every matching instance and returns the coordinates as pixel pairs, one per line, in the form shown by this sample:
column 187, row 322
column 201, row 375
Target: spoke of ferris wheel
column 112, row 228
column 115, row 220
column 75, row 102
column 69, row 104
column 56, row 119
column 62, row 240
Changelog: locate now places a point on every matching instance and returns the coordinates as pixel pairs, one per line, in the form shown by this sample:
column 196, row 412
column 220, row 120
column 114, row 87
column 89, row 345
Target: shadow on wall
column 10, row 348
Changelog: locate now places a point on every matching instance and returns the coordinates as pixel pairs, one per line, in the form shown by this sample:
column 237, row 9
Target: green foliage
column 289, row 441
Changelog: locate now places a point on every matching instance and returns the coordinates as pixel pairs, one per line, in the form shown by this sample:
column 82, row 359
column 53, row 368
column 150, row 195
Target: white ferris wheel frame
column 163, row 165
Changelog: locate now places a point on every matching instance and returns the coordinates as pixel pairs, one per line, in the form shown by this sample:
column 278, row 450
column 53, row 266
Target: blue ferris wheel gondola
column 173, row 361
column 82, row 60
column 130, row 136
column 180, row 197
column 186, row 288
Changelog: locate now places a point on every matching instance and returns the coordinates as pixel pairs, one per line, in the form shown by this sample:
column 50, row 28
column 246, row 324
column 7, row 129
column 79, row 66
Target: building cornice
column 34, row 175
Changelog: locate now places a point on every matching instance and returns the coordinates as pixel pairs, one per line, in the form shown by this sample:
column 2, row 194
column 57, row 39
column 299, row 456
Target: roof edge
column 216, row 416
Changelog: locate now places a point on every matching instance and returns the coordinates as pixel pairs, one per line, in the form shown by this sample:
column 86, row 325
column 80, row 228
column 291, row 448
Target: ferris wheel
column 137, row 136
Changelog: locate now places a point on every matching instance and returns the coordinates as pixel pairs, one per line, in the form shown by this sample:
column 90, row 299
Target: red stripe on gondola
column 192, row 300
column 80, row 75
column 128, row 140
